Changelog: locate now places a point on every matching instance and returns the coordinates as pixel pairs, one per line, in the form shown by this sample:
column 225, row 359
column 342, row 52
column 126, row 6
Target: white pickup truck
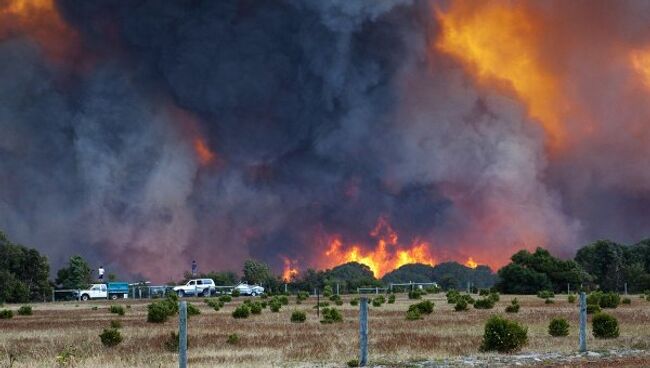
column 252, row 290
column 112, row 290
column 204, row 287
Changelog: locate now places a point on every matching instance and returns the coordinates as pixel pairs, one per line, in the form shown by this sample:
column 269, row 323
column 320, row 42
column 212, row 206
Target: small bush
column 425, row 307
column 545, row 294
column 192, row 310
column 353, row 363
column 284, row 300
column 25, row 310
column 627, row 301
column 593, row 308
column 6, row 314
column 235, row 293
column 484, row 292
column 116, row 324
column 558, row 327
column 302, row 295
column 391, row 299
column 604, row 326
column 225, row 298
column 94, row 308
column 513, row 307
column 354, row 302
column 256, row 308
column 503, row 335
column 111, row 337
column 298, row 316
column 331, row 315
column 468, row 298
column 275, row 305
column 117, row 309
column 415, row 294
column 241, row 312
column 494, row 296
column 335, row 297
column 571, row 298
column 158, row 312
column 67, row 357
column 233, row 339
column 413, row 314
column 461, row 305
column 594, row 297
column 609, row 300
column 172, row 342
column 452, row 296
column 376, row 302
column 548, row 301
column 485, row 303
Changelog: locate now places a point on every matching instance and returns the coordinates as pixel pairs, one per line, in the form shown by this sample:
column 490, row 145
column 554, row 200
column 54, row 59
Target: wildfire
column 387, row 255
column 640, row 60
column 498, row 42
column 290, row 271
column 40, row 20
column 471, row 263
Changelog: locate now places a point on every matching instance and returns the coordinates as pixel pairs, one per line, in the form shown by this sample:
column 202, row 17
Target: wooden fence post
column 182, row 335
column 582, row 338
column 363, row 331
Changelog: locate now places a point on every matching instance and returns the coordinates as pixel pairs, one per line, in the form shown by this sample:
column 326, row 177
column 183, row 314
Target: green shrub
column 571, row 298
column 452, row 296
column 116, row 324
column 627, row 301
column 94, row 308
column 376, row 302
column 609, row 300
column 391, row 299
column 331, row 315
column 461, row 305
column 353, row 363
column 256, row 308
column 235, row 293
column 233, row 339
column 111, row 337
column 275, row 305
column 548, row 301
column 192, row 310
column 241, row 312
column 157, row 312
column 433, row 289
column 335, row 297
column 172, row 342
column 354, row 301
column 485, row 303
column 6, row 314
column 225, row 298
column 594, row 297
column 604, row 326
column 424, row 307
column 327, row 291
column 25, row 310
column 494, row 296
column 503, row 335
column 284, row 300
column 264, row 305
column 545, row 294
column 468, row 298
column 415, row 294
column 484, row 292
column 322, row 305
column 302, row 295
column 513, row 307
column 298, row 316
column 558, row 327
column 413, row 314
column 117, row 309
column 593, row 308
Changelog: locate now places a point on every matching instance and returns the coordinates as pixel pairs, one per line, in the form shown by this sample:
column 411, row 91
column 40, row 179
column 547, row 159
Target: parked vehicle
column 252, row 290
column 204, row 287
column 112, row 290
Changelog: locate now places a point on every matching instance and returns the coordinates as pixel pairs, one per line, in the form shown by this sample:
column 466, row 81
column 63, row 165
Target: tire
column 85, row 297
column 253, row 293
column 205, row 293
column 114, row 297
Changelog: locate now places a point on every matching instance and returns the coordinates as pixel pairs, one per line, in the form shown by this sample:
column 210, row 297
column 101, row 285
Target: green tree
column 256, row 272
column 76, row 275
column 23, row 273
column 605, row 261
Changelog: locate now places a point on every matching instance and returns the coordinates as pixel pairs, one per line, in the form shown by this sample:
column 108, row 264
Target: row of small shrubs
column 25, row 310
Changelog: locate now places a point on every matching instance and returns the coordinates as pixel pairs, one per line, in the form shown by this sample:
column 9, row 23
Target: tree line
column 604, row 265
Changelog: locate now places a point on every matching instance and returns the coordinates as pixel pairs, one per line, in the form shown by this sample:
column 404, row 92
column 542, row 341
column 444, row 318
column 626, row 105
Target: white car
column 252, row 290
column 204, row 287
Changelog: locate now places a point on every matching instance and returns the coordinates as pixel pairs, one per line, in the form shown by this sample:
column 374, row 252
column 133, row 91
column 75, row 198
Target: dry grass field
column 271, row 340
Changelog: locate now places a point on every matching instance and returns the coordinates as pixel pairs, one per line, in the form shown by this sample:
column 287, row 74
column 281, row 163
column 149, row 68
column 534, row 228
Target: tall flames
column 387, row 255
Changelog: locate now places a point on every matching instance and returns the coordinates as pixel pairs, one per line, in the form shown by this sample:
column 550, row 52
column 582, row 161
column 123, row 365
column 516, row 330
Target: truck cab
column 112, row 290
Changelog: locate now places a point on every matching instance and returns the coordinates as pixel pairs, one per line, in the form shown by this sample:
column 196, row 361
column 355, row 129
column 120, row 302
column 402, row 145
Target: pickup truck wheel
column 114, row 296
column 85, row 297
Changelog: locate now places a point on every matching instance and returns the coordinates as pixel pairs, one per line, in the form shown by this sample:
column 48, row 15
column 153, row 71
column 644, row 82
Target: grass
column 271, row 339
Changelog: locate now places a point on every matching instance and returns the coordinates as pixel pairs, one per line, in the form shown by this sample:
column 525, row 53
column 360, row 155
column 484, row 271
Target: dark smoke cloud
column 324, row 115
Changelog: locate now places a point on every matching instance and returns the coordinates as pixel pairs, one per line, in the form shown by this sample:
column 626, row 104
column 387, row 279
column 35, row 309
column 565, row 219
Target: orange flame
column 39, row 20
column 290, row 271
column 387, row 255
column 498, row 42
column 205, row 155
column 640, row 60
column 471, row 263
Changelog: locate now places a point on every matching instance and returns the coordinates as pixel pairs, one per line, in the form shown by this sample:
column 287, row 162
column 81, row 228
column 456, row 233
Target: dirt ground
column 67, row 332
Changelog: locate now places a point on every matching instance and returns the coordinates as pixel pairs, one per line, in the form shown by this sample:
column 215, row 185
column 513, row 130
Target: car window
column 199, row 282
column 95, row 288
column 103, row 287
column 191, row 282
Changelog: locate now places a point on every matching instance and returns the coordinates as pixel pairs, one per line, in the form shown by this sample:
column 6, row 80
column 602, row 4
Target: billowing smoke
column 165, row 131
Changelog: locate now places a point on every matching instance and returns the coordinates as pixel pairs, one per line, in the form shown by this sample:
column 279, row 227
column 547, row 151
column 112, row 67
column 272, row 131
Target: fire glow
column 387, row 255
